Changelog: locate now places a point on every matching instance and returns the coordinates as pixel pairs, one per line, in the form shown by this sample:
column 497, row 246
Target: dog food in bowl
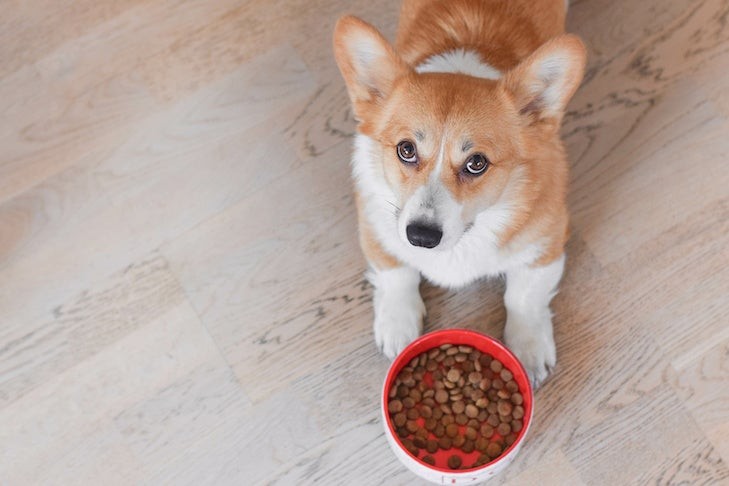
column 456, row 406
column 459, row 393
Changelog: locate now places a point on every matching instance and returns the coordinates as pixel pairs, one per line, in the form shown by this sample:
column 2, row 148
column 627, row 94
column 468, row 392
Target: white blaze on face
column 433, row 205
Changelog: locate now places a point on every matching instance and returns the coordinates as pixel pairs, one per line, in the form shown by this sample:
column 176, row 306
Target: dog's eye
column 477, row 164
column 406, row 152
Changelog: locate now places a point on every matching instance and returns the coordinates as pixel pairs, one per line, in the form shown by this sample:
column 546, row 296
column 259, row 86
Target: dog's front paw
column 534, row 346
column 398, row 321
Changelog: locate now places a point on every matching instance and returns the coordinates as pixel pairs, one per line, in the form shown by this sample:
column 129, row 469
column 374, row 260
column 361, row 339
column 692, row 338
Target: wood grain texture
column 181, row 290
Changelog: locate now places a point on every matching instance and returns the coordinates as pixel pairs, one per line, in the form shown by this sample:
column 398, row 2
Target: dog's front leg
column 399, row 309
column 528, row 329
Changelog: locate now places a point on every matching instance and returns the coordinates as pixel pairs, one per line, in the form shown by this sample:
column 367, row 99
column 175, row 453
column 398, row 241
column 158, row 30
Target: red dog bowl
column 440, row 473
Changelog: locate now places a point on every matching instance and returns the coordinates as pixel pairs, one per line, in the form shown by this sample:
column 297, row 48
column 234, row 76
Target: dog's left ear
column 369, row 64
column 543, row 83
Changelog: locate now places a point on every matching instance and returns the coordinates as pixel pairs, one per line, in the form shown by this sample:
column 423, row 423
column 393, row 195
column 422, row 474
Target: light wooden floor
column 181, row 290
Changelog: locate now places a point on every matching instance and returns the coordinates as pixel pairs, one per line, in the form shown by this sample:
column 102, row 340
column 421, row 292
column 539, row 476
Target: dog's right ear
column 369, row 64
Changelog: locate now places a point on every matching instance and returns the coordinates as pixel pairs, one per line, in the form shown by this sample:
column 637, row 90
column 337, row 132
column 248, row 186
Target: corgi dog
column 459, row 169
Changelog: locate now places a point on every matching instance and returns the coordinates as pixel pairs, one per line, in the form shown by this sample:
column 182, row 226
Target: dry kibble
column 458, row 441
column 503, row 429
column 454, row 462
column 426, row 412
column 482, row 443
column 453, row 374
column 493, row 450
column 518, row 412
column 445, row 443
column 503, row 394
column 471, row 411
column 504, row 407
column 456, row 397
column 431, row 446
column 458, row 407
column 394, row 406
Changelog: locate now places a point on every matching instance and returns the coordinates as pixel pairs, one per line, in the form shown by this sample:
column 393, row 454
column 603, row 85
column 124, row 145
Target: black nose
column 422, row 235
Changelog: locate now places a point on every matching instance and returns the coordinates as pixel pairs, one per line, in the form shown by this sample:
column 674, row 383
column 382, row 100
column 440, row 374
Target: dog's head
column 453, row 145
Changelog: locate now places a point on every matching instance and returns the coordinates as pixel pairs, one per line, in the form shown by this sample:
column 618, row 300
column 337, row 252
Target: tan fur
column 503, row 32
column 499, row 118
